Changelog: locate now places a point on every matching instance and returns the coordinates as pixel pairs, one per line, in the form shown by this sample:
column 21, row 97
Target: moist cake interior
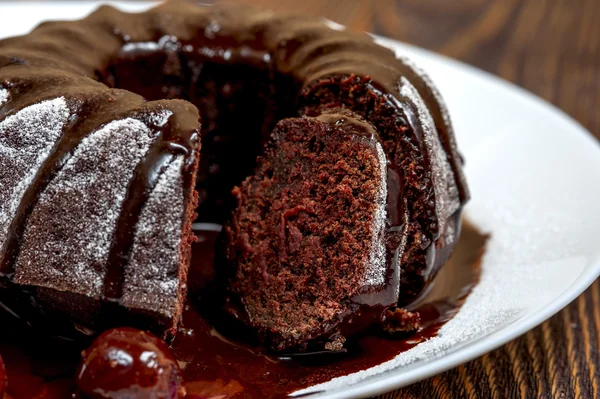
column 306, row 237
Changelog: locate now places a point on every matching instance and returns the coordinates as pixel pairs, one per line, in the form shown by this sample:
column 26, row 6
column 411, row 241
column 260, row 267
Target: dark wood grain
column 552, row 48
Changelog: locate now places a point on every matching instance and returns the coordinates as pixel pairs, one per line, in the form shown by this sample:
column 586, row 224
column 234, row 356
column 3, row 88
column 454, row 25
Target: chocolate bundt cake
column 100, row 134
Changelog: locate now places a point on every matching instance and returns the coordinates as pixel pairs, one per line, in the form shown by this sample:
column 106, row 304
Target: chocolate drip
column 144, row 181
column 173, row 140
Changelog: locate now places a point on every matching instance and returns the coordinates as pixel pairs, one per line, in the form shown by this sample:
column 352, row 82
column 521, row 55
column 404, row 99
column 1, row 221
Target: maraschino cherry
column 126, row 363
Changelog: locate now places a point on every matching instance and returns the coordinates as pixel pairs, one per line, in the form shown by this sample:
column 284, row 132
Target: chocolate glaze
column 218, row 358
column 146, row 176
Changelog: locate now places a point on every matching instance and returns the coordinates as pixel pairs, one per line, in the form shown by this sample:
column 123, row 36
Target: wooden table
column 552, row 48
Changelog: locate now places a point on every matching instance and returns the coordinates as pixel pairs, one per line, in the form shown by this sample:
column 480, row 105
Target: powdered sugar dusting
column 444, row 185
column 73, row 245
column 165, row 42
column 3, row 96
column 141, row 46
column 26, row 140
column 154, row 264
column 376, row 272
column 159, row 119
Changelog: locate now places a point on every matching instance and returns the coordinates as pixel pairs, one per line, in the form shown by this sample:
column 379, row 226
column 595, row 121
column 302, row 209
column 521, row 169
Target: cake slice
column 306, row 239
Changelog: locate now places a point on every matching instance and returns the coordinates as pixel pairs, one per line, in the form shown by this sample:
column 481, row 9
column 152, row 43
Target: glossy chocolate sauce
column 218, row 360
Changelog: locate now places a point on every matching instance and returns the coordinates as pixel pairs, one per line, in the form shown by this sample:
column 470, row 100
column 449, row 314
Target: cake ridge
column 422, row 130
column 447, row 198
column 441, row 117
column 373, row 276
column 146, row 176
column 173, row 145
column 168, row 187
column 57, row 125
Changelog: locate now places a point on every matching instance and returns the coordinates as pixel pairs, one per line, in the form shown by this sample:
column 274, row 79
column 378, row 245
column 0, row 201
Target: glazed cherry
column 125, row 363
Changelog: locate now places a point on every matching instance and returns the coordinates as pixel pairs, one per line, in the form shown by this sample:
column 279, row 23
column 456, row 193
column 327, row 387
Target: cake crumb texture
column 301, row 237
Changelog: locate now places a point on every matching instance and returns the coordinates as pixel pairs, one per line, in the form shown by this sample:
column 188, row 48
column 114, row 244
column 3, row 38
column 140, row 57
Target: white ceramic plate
column 534, row 177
